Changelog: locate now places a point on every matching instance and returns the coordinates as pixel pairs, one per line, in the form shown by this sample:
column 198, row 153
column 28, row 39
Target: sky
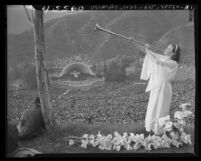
column 17, row 20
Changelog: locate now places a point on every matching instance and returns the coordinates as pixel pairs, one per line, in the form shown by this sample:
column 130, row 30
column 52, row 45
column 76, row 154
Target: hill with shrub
column 74, row 35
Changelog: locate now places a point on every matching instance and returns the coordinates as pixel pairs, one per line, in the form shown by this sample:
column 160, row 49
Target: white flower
column 163, row 120
column 71, row 142
column 149, row 138
column 96, row 142
column 178, row 115
column 128, row 147
column 184, row 105
column 109, row 136
column 176, row 143
column 85, row 136
column 137, row 146
column 116, row 134
column 160, row 129
column 186, row 138
column 173, row 135
column 131, row 137
column 91, row 137
column 116, row 141
column 139, row 141
column 166, row 141
column 186, row 113
column 168, row 126
column 156, row 138
column 181, row 121
column 189, row 139
column 102, row 143
column 148, row 142
column 175, row 138
column 101, row 147
column 156, row 141
column 137, row 138
column 148, row 146
column 125, row 134
column 99, row 137
column 116, row 147
column 99, row 134
column 177, row 125
column 92, row 140
column 124, row 140
column 142, row 136
column 108, row 142
column 84, row 143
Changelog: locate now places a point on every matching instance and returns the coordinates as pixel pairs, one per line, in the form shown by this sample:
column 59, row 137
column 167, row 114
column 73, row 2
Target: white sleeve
column 145, row 73
column 170, row 65
column 155, row 55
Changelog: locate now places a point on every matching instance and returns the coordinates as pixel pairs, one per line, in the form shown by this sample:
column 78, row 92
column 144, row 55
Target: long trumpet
column 97, row 27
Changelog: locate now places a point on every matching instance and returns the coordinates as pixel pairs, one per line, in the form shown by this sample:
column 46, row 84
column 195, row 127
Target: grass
column 54, row 143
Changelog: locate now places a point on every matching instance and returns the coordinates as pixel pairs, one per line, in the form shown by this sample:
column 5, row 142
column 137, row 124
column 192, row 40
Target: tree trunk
column 41, row 73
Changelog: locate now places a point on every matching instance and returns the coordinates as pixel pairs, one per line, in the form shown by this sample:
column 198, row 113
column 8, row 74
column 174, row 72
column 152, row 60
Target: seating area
column 75, row 75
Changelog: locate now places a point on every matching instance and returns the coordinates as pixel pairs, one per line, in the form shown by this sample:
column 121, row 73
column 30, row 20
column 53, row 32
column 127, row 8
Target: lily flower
column 166, row 141
column 187, row 113
column 186, row 138
column 184, row 105
column 168, row 126
column 163, row 120
column 178, row 115
column 84, row 143
column 71, row 142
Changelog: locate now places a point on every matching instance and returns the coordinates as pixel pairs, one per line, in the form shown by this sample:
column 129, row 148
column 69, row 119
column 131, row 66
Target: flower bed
column 171, row 134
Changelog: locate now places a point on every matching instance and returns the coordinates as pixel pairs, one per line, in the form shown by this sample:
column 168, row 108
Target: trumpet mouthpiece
column 96, row 27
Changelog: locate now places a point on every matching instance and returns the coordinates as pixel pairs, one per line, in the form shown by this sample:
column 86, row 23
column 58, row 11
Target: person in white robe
column 160, row 70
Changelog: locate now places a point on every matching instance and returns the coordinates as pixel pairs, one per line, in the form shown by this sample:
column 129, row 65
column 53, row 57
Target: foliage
column 26, row 71
column 62, row 62
column 114, row 69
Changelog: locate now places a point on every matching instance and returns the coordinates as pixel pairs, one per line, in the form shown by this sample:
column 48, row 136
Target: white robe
column 159, row 75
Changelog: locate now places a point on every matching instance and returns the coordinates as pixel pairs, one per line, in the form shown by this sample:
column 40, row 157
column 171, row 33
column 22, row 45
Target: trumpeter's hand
column 147, row 46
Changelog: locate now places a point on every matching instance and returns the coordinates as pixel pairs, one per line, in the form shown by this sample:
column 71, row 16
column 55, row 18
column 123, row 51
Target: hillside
column 74, row 34
column 183, row 36
column 17, row 20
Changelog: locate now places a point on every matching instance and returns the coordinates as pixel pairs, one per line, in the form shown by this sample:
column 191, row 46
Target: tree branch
column 30, row 20
column 33, row 19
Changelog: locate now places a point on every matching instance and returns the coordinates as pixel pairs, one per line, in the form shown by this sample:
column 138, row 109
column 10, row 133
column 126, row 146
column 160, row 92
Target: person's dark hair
column 176, row 50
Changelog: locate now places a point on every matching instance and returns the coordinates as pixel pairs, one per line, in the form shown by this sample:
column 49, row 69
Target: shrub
column 115, row 68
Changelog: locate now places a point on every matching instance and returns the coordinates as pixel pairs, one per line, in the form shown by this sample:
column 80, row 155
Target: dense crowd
column 123, row 102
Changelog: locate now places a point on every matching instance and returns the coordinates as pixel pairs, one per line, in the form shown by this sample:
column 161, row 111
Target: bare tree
column 41, row 72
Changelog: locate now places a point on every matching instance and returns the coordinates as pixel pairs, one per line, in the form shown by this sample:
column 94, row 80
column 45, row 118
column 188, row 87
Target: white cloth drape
column 159, row 74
